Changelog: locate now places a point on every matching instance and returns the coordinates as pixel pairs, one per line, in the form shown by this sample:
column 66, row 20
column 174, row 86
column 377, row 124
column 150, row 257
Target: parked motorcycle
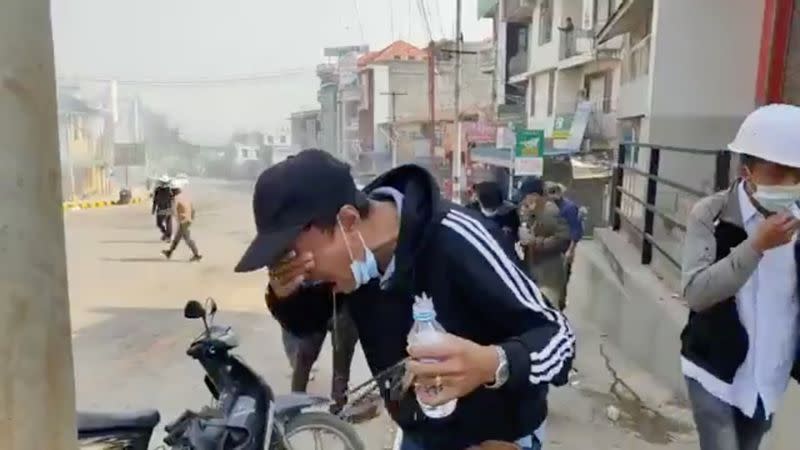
column 244, row 414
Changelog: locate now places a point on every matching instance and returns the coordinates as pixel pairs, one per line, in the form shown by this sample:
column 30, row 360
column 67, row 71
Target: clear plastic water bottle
column 426, row 330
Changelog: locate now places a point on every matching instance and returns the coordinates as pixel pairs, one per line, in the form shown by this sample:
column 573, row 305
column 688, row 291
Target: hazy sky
column 188, row 40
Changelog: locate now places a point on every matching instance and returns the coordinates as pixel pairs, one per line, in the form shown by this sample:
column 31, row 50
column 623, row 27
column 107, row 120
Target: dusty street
column 130, row 337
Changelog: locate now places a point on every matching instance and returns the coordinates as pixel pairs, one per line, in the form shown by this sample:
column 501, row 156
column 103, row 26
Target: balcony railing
column 518, row 64
column 519, row 11
column 575, row 42
column 636, row 60
column 487, row 59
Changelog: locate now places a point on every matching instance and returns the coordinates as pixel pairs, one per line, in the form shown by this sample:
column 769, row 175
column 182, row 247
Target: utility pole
column 393, row 137
column 458, row 178
column 432, row 97
column 37, row 400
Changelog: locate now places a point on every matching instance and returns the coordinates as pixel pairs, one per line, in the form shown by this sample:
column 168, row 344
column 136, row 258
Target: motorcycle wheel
column 316, row 422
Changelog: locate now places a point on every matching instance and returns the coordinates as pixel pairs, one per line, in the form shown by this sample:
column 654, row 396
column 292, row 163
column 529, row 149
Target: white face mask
column 777, row 198
column 488, row 212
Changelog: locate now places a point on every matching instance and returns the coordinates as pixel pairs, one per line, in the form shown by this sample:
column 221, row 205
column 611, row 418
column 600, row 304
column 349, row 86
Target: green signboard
column 528, row 152
column 562, row 126
column 530, row 143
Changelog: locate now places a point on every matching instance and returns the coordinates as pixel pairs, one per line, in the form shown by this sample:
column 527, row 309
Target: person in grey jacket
column 740, row 280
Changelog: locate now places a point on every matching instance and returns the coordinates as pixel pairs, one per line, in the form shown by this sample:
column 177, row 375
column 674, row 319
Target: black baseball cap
column 289, row 196
column 531, row 185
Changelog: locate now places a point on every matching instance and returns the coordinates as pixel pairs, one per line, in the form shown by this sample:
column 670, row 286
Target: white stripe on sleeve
column 547, row 362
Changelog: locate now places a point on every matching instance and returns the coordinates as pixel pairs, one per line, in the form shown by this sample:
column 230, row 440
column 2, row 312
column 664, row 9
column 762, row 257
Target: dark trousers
column 164, row 223
column 304, row 351
column 184, row 233
column 721, row 426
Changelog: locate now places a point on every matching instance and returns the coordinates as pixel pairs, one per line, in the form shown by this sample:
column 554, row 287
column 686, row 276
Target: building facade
column 328, row 98
column 85, row 135
column 305, row 129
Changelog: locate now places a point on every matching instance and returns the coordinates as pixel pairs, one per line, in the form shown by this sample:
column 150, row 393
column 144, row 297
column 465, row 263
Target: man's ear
column 349, row 217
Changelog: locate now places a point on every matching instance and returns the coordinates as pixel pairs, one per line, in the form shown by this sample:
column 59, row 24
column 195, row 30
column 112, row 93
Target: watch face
column 502, row 374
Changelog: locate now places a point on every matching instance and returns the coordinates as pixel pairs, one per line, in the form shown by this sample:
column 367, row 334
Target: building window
column 551, row 87
column 244, row 153
column 523, row 39
column 532, row 87
column 545, row 22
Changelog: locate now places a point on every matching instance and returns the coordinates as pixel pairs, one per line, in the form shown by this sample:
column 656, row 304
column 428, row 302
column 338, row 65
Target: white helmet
column 164, row 179
column 771, row 133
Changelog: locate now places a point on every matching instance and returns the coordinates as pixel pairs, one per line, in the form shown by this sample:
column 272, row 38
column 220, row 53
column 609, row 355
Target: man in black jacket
column 494, row 208
column 377, row 251
column 162, row 207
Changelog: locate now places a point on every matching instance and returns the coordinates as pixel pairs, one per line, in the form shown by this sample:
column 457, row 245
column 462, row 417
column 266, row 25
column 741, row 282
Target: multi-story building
column 84, row 134
column 328, row 98
column 397, row 81
column 691, row 71
column 547, row 64
column 305, row 129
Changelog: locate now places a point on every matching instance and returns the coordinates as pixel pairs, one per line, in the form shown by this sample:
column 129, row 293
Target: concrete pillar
column 37, row 396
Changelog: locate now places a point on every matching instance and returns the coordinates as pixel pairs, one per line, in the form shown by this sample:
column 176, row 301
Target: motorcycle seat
column 92, row 422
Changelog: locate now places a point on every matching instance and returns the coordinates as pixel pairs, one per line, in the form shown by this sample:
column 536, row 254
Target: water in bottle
column 426, row 330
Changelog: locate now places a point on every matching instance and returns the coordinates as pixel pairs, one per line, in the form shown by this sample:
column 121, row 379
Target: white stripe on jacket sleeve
column 549, row 361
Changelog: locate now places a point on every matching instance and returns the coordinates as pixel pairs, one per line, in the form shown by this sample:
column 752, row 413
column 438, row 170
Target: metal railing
column 722, row 171
column 487, row 58
column 518, row 64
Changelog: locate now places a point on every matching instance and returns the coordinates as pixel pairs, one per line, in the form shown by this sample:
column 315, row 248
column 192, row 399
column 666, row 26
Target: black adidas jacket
column 480, row 293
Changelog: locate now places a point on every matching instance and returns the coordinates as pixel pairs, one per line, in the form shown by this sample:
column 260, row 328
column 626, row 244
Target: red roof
column 398, row 50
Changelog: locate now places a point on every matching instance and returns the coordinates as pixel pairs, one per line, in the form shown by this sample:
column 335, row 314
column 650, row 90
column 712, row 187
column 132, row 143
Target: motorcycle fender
column 288, row 406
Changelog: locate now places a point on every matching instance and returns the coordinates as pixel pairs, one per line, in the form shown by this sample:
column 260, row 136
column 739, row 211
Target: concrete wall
column 37, row 398
column 703, row 71
column 634, row 97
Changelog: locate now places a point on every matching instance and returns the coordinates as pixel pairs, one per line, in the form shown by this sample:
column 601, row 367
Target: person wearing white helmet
column 740, row 279
column 162, row 207
column 183, row 211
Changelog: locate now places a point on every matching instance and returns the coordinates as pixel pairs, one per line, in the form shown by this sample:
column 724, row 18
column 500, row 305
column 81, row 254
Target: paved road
column 129, row 335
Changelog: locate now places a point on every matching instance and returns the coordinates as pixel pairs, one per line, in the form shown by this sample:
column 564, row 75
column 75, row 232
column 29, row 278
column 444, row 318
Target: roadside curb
column 89, row 204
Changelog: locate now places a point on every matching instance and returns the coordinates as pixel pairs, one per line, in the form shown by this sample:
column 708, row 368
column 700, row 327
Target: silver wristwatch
column 501, row 373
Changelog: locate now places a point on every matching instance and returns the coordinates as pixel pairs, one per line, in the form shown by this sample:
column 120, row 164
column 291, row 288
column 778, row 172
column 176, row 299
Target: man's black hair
column 750, row 160
column 490, row 195
column 362, row 205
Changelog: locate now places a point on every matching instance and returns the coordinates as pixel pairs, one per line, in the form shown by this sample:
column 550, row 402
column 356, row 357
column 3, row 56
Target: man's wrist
column 500, row 374
column 489, row 364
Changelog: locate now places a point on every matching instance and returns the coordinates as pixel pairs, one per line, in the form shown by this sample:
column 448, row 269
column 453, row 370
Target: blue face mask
column 363, row 271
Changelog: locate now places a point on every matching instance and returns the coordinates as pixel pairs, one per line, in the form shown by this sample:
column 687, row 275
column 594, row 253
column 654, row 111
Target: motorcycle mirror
column 211, row 306
column 194, row 310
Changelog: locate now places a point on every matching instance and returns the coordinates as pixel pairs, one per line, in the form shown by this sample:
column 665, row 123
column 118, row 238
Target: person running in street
column 183, row 212
column 740, row 276
column 380, row 250
column 544, row 237
column 571, row 213
column 162, row 207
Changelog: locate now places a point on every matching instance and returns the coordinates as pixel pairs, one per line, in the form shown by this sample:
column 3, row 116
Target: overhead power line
column 247, row 78
column 424, row 15
column 439, row 18
column 358, row 18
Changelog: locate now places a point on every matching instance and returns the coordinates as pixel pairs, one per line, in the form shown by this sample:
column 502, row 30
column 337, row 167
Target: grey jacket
column 704, row 282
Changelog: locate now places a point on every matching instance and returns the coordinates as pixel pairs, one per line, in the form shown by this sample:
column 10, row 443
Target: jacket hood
column 422, row 203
